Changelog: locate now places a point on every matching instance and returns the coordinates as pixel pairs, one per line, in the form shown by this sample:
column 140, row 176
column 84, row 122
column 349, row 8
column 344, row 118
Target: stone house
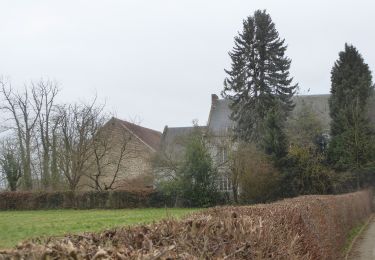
column 122, row 157
column 127, row 154
column 218, row 132
column 217, row 136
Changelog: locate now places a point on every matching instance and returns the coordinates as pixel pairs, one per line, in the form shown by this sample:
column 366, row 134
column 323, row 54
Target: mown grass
column 16, row 226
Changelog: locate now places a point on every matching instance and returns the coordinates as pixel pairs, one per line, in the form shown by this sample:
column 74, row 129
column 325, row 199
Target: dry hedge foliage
column 308, row 227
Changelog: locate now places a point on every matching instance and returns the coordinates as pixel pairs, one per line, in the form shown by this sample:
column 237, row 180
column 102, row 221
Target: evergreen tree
column 192, row 179
column 274, row 139
column 258, row 81
column 351, row 134
column 197, row 176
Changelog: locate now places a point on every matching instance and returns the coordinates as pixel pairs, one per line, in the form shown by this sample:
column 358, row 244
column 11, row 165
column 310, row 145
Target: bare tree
column 167, row 162
column 55, row 172
column 46, row 126
column 23, row 110
column 77, row 127
column 112, row 150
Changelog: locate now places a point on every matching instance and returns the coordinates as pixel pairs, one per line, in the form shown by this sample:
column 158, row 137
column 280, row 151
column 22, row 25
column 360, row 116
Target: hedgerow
column 81, row 200
column 307, row 227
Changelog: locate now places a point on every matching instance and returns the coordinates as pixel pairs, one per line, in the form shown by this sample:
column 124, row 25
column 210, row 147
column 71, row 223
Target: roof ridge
column 149, row 137
column 313, row 95
column 180, row 127
column 127, row 122
column 296, row 95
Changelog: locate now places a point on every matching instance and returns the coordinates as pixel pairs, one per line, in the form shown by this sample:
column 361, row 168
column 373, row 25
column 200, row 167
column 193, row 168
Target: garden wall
column 81, row 200
column 307, row 227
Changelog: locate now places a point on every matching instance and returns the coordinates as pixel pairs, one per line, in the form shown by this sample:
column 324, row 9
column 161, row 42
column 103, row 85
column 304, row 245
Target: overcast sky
column 158, row 61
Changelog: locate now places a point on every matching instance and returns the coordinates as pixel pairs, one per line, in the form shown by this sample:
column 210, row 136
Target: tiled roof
column 318, row 104
column 173, row 139
column 219, row 120
column 172, row 134
column 148, row 136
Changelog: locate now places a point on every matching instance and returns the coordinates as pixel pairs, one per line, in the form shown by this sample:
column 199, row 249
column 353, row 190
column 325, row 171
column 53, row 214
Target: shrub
column 194, row 182
column 304, row 173
column 257, row 178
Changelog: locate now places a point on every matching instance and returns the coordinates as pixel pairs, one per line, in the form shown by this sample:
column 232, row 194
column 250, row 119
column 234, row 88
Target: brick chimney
column 214, row 101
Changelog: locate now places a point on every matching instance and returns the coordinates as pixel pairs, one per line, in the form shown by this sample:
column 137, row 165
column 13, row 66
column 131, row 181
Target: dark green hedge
column 81, row 200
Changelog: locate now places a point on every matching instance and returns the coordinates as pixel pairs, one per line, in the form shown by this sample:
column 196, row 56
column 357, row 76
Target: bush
column 261, row 181
column 257, row 178
column 304, row 173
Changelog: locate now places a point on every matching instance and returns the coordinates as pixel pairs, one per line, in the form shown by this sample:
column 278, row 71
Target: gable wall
column 135, row 167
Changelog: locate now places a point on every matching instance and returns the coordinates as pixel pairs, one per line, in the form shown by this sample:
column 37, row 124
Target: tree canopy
column 351, row 132
column 258, row 82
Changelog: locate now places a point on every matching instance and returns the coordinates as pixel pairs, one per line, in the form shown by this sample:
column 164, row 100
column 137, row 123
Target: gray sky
column 158, row 61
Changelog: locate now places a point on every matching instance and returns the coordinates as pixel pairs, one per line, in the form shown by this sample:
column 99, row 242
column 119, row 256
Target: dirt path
column 364, row 247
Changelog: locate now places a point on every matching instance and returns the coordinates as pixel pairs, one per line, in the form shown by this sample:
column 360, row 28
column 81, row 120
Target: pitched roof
column 148, row 136
column 172, row 140
column 173, row 134
column 318, row 104
column 219, row 119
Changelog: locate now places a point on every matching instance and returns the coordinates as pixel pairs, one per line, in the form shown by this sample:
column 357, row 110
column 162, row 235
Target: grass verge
column 353, row 235
column 16, row 226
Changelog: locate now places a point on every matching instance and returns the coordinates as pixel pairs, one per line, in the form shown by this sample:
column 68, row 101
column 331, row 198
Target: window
column 222, row 155
column 224, row 184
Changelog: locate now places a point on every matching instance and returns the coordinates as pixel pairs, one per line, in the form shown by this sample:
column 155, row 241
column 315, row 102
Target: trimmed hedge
column 307, row 227
column 81, row 200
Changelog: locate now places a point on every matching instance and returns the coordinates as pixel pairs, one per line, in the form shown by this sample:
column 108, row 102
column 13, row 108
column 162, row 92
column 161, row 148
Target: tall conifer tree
column 351, row 134
column 258, row 82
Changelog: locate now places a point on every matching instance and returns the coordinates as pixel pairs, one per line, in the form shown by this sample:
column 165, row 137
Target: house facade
column 126, row 158
column 219, row 137
column 122, row 157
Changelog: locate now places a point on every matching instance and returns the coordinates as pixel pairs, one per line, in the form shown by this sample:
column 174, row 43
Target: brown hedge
column 81, row 200
column 308, row 227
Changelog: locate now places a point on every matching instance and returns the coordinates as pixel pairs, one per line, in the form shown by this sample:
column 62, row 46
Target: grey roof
column 172, row 140
column 318, row 104
column 171, row 134
column 219, row 121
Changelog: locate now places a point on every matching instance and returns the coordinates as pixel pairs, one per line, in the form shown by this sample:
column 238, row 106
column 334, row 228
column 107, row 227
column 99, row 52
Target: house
column 218, row 132
column 122, row 157
column 173, row 140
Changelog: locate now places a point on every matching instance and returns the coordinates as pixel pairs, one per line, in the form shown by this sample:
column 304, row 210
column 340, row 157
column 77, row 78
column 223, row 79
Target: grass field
column 16, row 226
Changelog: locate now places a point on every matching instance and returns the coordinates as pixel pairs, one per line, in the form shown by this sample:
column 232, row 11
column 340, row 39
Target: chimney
column 214, row 98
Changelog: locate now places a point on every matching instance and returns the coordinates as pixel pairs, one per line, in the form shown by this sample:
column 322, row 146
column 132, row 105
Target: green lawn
column 16, row 226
